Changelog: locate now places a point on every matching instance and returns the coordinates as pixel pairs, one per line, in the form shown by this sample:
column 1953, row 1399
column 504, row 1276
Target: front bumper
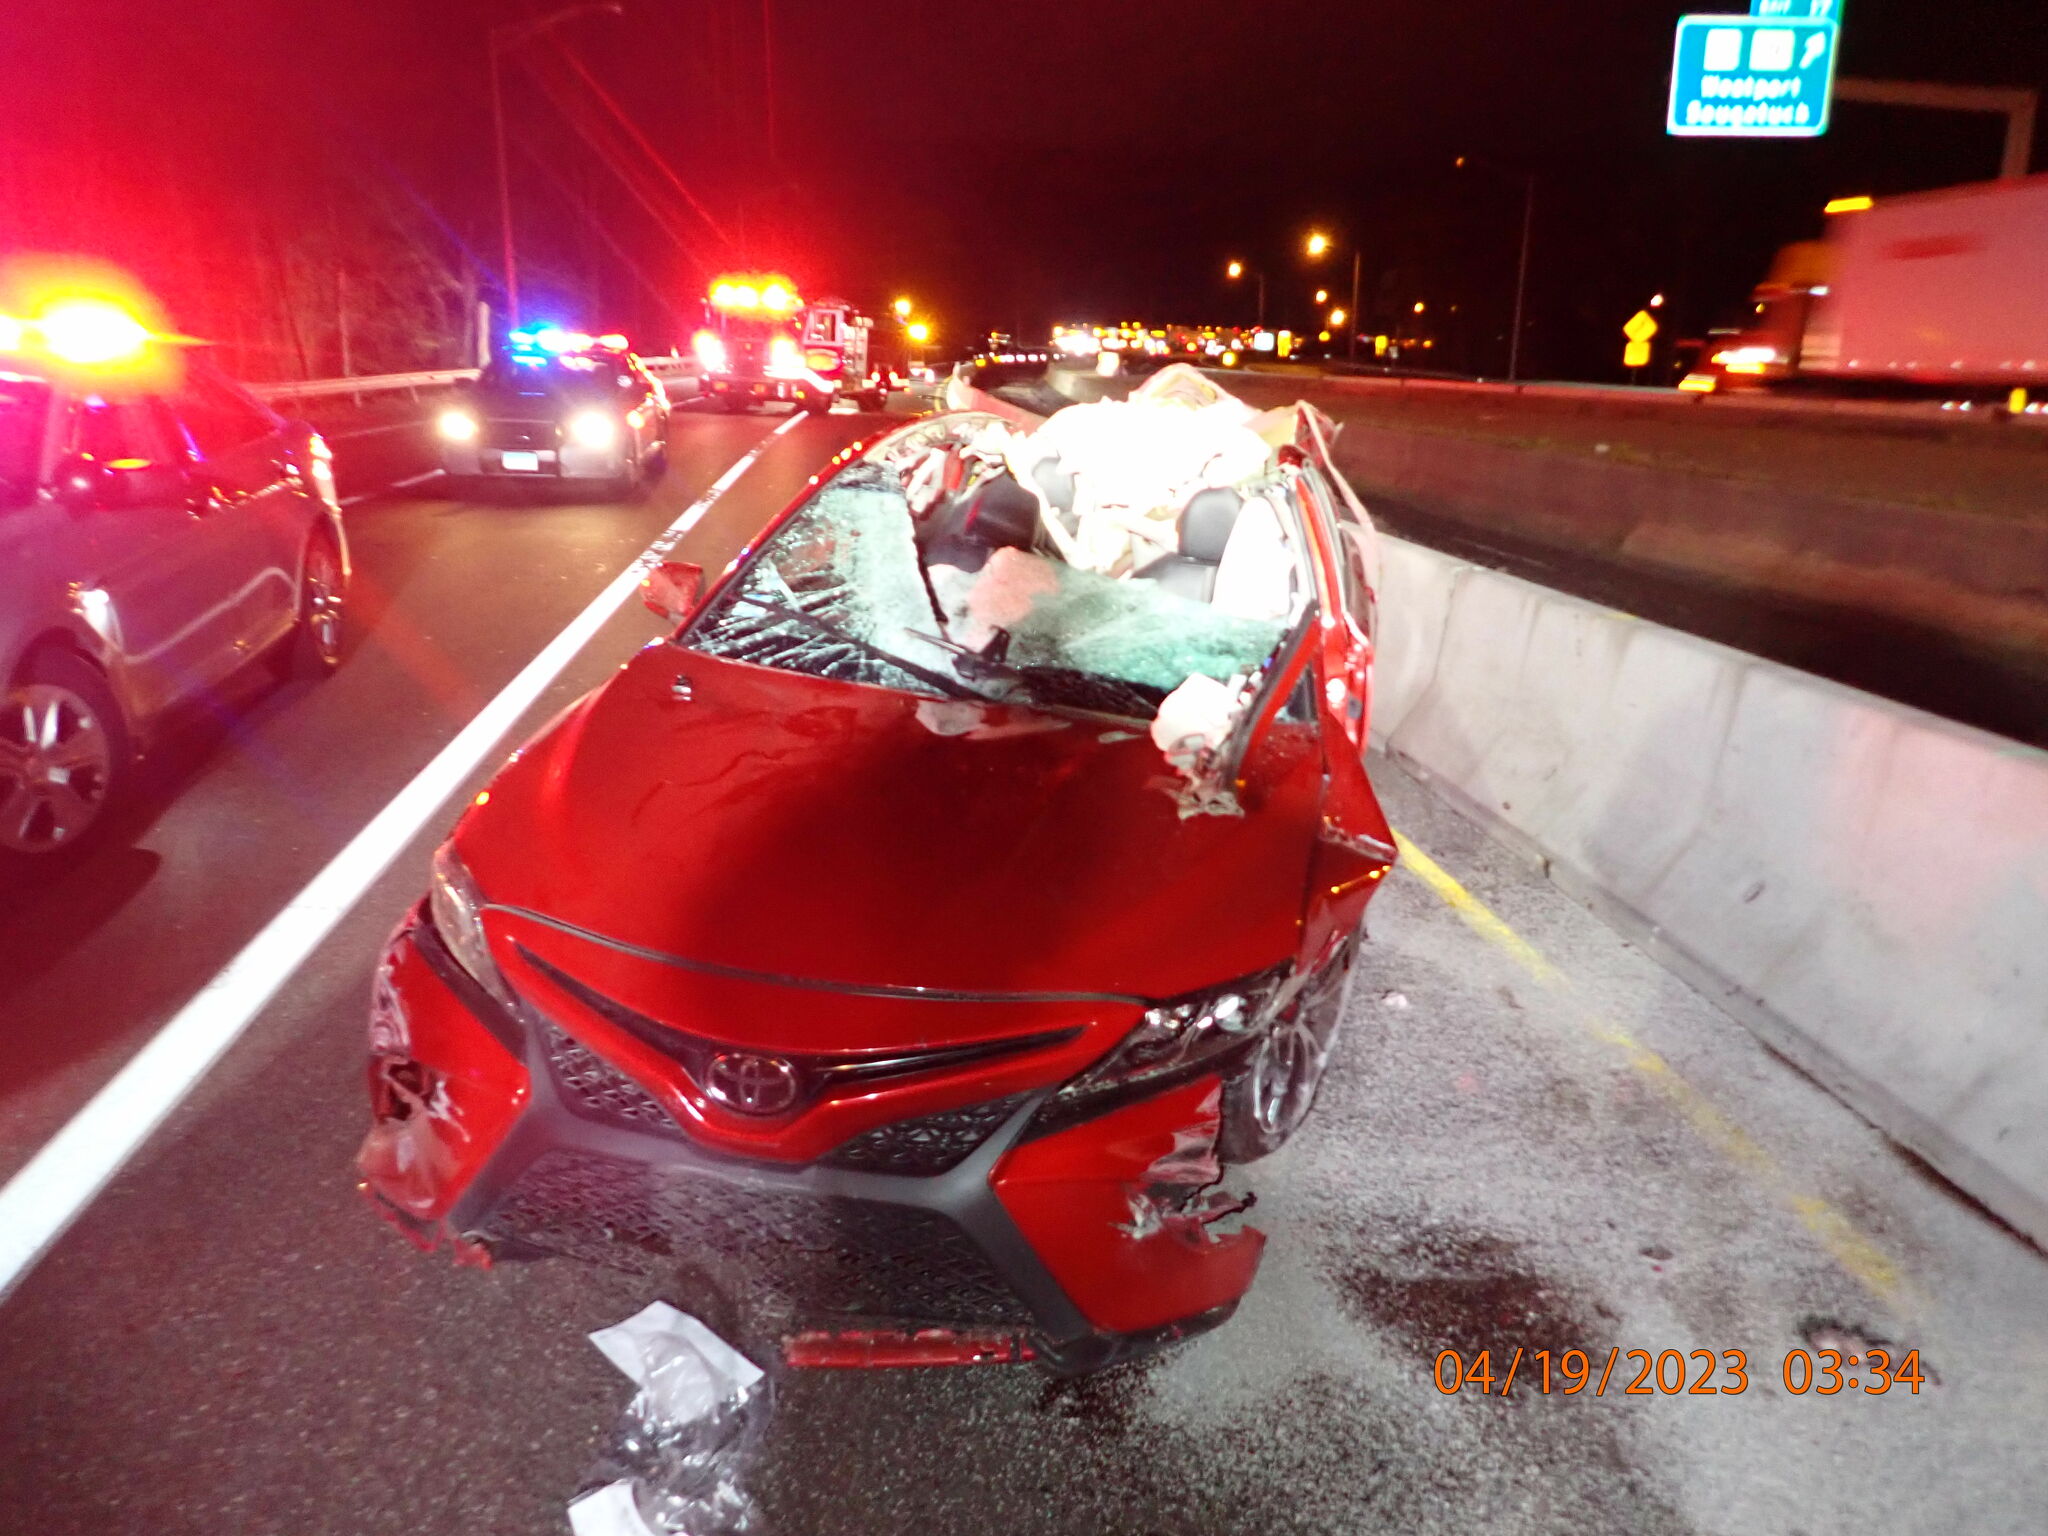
column 562, row 461
column 724, row 386
column 517, row 1140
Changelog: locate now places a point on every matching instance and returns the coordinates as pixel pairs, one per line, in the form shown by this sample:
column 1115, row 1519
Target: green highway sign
column 1808, row 10
column 1752, row 77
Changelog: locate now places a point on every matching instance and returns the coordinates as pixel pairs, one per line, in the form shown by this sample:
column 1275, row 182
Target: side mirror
column 673, row 589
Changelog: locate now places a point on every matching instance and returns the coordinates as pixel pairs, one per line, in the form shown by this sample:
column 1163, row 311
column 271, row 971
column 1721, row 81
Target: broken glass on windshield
column 839, row 593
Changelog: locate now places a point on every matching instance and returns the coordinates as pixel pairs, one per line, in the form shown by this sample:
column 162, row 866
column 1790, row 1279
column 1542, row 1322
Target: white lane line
column 396, row 485
column 71, row 1169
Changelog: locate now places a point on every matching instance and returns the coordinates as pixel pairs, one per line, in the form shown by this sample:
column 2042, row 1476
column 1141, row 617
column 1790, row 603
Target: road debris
column 675, row 1459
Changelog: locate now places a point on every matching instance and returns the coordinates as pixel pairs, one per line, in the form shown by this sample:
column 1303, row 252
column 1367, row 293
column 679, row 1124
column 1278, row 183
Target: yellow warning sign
column 1636, row 355
column 1641, row 326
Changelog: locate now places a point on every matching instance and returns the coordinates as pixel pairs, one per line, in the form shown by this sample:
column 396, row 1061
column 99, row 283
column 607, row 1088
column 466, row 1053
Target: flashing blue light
column 549, row 339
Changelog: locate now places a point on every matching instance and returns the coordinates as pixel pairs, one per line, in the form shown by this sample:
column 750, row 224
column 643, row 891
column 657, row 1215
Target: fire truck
column 761, row 341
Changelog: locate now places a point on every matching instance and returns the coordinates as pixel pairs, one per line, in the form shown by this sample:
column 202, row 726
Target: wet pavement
column 1588, row 1158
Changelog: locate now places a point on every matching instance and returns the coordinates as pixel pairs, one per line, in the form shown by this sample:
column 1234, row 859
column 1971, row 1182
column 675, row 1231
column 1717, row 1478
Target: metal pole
column 1351, row 314
column 2019, row 139
column 510, row 255
column 1522, row 278
column 1261, row 276
column 768, row 77
column 2017, row 105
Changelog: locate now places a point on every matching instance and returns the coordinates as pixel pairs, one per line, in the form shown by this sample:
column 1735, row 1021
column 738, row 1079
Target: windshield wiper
column 946, row 685
column 1051, row 685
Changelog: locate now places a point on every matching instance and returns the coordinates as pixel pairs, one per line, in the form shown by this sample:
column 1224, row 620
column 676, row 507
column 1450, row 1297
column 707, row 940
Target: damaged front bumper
column 1075, row 1247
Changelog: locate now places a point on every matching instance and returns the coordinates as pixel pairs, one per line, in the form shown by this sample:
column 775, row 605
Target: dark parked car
column 159, row 528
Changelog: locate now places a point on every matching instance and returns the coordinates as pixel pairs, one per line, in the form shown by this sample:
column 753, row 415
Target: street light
column 1528, row 181
column 1319, row 245
column 1236, row 270
column 508, row 35
column 918, row 331
column 902, row 308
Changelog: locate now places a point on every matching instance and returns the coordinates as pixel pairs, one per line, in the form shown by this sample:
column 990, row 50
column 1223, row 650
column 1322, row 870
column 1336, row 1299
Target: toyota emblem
column 753, row 1085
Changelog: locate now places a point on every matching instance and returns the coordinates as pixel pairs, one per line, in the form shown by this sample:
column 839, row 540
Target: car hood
column 795, row 826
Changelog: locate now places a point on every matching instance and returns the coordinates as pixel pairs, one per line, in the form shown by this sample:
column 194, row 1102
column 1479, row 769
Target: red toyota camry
column 920, row 935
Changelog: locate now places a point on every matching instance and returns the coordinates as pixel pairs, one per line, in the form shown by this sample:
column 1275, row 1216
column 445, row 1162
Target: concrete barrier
column 1863, row 884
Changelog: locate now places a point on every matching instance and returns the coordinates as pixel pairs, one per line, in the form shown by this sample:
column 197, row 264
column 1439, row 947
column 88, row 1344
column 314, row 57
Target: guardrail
column 662, row 367
column 363, row 384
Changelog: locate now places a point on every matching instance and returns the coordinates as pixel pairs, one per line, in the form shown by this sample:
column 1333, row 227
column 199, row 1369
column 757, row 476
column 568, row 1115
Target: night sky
column 1008, row 165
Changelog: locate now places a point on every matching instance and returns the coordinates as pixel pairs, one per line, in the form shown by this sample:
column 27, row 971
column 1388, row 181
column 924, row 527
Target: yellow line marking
column 1857, row 1254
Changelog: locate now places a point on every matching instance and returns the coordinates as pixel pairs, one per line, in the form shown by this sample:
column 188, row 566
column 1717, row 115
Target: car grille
column 931, row 1144
column 825, row 1254
column 596, row 1088
column 519, row 434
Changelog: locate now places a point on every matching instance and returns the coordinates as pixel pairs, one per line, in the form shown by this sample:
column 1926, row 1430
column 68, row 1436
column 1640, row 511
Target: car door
column 256, row 513
column 150, row 551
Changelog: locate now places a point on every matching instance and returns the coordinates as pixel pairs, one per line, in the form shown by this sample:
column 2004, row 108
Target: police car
column 557, row 405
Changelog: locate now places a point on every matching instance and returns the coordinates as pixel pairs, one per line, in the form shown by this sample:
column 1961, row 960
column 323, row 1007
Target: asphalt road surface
column 1534, row 1139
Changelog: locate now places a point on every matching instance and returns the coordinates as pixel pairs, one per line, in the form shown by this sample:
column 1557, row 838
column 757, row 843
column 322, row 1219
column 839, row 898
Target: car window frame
column 207, row 379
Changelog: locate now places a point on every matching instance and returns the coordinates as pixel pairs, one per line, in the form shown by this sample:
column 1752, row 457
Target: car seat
column 963, row 529
column 1205, row 525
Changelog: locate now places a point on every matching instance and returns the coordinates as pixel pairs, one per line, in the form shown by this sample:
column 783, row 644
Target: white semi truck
column 1935, row 292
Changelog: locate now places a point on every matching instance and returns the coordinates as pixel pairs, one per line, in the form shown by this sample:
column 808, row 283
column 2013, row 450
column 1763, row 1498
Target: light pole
column 1318, row 245
column 1528, row 181
column 508, row 35
column 1237, row 270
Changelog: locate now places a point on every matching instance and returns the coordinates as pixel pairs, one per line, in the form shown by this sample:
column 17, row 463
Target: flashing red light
column 91, row 332
column 710, row 349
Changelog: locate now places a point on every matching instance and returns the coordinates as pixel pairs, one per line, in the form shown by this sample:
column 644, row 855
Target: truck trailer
column 1933, row 293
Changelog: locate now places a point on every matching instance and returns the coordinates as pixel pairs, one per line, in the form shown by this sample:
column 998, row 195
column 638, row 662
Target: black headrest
column 1000, row 511
column 1206, row 521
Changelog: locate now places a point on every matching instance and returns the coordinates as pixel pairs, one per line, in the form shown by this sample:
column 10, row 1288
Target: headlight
column 456, row 906
column 785, row 357
column 593, row 429
column 710, row 350
column 1177, row 1039
column 458, row 426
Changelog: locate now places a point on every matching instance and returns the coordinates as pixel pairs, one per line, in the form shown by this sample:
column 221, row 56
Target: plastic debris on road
column 674, row 1463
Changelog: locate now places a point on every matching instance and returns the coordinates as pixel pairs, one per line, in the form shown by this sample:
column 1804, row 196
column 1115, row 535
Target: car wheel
column 628, row 480
column 65, row 761
column 734, row 404
column 1269, row 1097
column 873, row 400
column 314, row 647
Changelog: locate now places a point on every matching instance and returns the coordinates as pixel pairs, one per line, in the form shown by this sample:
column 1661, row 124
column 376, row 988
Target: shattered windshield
column 928, row 569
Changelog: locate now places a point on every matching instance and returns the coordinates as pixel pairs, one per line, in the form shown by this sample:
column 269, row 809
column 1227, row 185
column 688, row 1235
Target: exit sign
column 1752, row 77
